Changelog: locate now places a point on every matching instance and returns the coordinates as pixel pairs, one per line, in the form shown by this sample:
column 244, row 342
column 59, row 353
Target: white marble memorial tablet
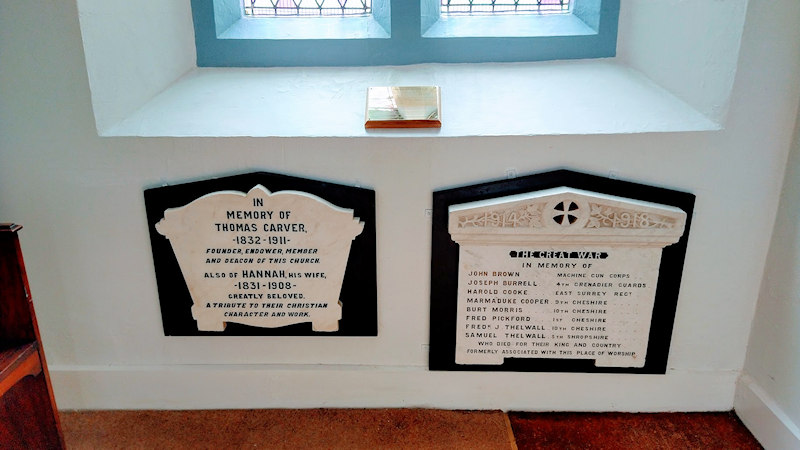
column 559, row 274
column 262, row 259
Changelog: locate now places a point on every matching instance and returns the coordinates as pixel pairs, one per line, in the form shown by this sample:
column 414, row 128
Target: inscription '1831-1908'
column 262, row 259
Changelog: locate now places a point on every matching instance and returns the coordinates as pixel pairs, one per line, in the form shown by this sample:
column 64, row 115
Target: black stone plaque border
column 444, row 272
column 359, row 295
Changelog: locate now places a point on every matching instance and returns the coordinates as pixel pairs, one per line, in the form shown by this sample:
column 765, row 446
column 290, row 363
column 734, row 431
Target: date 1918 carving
column 559, row 274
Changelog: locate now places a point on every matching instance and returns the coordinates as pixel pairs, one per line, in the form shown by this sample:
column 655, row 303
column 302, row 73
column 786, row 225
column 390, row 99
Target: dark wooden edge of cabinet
column 17, row 363
column 27, row 405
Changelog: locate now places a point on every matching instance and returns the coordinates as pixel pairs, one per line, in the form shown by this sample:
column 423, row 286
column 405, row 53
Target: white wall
column 89, row 262
column 688, row 47
column 768, row 394
column 132, row 50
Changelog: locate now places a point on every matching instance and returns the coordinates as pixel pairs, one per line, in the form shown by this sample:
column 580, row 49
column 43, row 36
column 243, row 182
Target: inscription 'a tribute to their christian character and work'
column 262, row 259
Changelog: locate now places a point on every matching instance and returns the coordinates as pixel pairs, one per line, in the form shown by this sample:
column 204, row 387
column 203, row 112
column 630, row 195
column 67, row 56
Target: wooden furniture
column 28, row 415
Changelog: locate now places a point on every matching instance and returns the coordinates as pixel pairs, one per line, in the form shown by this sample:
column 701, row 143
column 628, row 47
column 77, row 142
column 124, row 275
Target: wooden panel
column 26, row 419
column 28, row 414
column 18, row 363
column 16, row 325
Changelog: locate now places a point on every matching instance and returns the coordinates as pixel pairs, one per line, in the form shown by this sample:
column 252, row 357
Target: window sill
column 522, row 99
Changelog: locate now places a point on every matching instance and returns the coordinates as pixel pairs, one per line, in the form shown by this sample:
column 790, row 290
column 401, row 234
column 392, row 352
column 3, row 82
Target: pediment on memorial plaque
column 555, row 214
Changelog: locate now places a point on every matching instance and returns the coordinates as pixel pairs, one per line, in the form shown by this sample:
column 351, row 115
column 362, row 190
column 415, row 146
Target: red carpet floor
column 630, row 431
column 400, row 429
column 288, row 429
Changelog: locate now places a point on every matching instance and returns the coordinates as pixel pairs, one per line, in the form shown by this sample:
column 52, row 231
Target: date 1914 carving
column 559, row 274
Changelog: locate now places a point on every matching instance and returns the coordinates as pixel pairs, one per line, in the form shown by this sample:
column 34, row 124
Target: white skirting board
column 244, row 386
column 764, row 417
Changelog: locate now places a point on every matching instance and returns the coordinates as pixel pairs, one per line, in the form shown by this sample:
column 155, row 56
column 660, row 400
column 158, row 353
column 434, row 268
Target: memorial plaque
column 558, row 278
column 257, row 261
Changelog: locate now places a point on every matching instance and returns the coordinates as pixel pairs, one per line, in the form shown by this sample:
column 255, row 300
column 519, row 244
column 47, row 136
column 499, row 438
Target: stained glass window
column 505, row 6
column 274, row 8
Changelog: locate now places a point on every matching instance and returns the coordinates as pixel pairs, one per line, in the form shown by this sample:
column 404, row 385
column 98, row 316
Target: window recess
column 266, row 33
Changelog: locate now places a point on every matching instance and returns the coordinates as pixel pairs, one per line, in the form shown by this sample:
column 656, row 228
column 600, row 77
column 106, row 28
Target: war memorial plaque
column 257, row 261
column 557, row 272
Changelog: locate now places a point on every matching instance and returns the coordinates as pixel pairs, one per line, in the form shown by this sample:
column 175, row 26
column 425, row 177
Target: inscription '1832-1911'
column 262, row 259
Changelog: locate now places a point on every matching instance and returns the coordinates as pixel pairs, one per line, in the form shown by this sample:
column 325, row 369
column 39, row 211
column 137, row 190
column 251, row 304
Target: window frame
column 398, row 33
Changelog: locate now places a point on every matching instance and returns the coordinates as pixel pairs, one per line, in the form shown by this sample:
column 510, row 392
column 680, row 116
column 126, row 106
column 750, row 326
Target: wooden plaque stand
column 28, row 415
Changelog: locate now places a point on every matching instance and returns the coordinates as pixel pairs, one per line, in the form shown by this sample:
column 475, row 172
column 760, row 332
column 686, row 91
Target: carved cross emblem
column 563, row 215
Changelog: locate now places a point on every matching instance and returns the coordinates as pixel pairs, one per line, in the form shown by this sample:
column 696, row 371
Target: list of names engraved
column 559, row 274
column 262, row 259
column 565, row 302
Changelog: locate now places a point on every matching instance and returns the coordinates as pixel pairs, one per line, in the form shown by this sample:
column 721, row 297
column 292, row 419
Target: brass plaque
column 403, row 107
